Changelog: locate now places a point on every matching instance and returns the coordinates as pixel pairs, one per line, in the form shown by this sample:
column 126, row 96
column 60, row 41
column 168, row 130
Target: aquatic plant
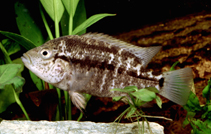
column 199, row 116
column 70, row 15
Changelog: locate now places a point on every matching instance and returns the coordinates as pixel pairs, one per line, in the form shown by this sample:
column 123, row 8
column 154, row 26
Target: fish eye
column 45, row 53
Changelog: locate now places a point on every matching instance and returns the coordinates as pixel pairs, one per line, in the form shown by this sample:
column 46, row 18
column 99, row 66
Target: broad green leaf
column 200, row 127
column 188, row 117
column 65, row 23
column 80, row 16
column 54, row 8
column 206, row 93
column 70, row 6
column 153, row 89
column 158, row 101
column 193, row 103
column 208, row 122
column 37, row 81
column 208, row 110
column 19, row 61
column 131, row 88
column 123, row 90
column 117, row 98
column 6, row 97
column 8, row 75
column 172, row 67
column 27, row 25
column 139, row 103
column 144, row 95
column 26, row 43
column 91, row 20
column 11, row 46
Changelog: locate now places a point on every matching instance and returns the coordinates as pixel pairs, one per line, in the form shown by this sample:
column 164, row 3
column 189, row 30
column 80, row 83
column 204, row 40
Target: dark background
column 131, row 14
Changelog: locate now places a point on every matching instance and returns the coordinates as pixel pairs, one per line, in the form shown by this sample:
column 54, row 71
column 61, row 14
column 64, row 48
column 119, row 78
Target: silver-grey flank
column 95, row 63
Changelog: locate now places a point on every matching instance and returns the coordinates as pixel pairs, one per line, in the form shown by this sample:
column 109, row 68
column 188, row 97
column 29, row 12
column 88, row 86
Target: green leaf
column 19, row 61
column 207, row 111
column 26, row 43
column 206, row 91
column 200, row 127
column 70, row 6
column 131, row 88
column 117, row 98
column 127, row 90
column 37, row 81
column 91, row 20
column 144, row 95
column 188, row 117
column 172, row 67
column 27, row 25
column 65, row 23
column 6, row 97
column 80, row 16
column 158, row 101
column 54, row 8
column 208, row 122
column 11, row 46
column 193, row 103
column 153, row 89
column 8, row 76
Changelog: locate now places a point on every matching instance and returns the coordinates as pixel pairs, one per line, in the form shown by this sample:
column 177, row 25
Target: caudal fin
column 176, row 85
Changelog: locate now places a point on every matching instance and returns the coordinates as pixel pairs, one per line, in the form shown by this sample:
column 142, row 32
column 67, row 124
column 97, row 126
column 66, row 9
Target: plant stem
column 70, row 25
column 6, row 55
column 20, row 104
column 68, row 113
column 80, row 116
column 60, row 104
column 56, row 22
column 8, row 60
column 46, row 24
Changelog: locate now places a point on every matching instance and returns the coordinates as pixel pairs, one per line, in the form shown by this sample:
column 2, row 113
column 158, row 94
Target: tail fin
column 177, row 85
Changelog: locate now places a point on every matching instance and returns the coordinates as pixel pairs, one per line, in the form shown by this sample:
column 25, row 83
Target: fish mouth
column 26, row 59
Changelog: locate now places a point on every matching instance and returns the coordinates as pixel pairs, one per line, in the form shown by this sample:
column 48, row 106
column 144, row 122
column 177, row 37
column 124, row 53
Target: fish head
column 44, row 62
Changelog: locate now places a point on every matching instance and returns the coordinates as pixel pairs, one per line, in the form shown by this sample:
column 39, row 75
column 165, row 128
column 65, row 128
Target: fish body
column 95, row 63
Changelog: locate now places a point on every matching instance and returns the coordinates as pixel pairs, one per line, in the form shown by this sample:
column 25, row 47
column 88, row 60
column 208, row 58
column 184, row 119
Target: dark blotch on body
column 61, row 57
column 161, row 81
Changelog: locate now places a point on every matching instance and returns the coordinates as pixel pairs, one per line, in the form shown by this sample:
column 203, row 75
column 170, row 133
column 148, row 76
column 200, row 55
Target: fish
column 95, row 63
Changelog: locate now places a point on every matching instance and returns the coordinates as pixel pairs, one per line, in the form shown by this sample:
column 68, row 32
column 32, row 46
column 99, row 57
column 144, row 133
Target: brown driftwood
column 186, row 39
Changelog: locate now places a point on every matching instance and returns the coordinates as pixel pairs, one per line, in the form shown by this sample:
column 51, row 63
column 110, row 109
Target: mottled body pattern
column 96, row 63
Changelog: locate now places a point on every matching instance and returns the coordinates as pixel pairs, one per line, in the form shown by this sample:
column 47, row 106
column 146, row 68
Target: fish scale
column 95, row 63
column 91, row 50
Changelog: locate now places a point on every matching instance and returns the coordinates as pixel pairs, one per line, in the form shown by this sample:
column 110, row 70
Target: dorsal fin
column 145, row 54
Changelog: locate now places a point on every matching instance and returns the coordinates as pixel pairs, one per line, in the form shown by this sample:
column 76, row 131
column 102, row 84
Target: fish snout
column 26, row 59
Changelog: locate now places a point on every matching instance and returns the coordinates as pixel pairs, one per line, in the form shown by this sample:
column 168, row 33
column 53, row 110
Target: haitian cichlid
column 95, row 63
